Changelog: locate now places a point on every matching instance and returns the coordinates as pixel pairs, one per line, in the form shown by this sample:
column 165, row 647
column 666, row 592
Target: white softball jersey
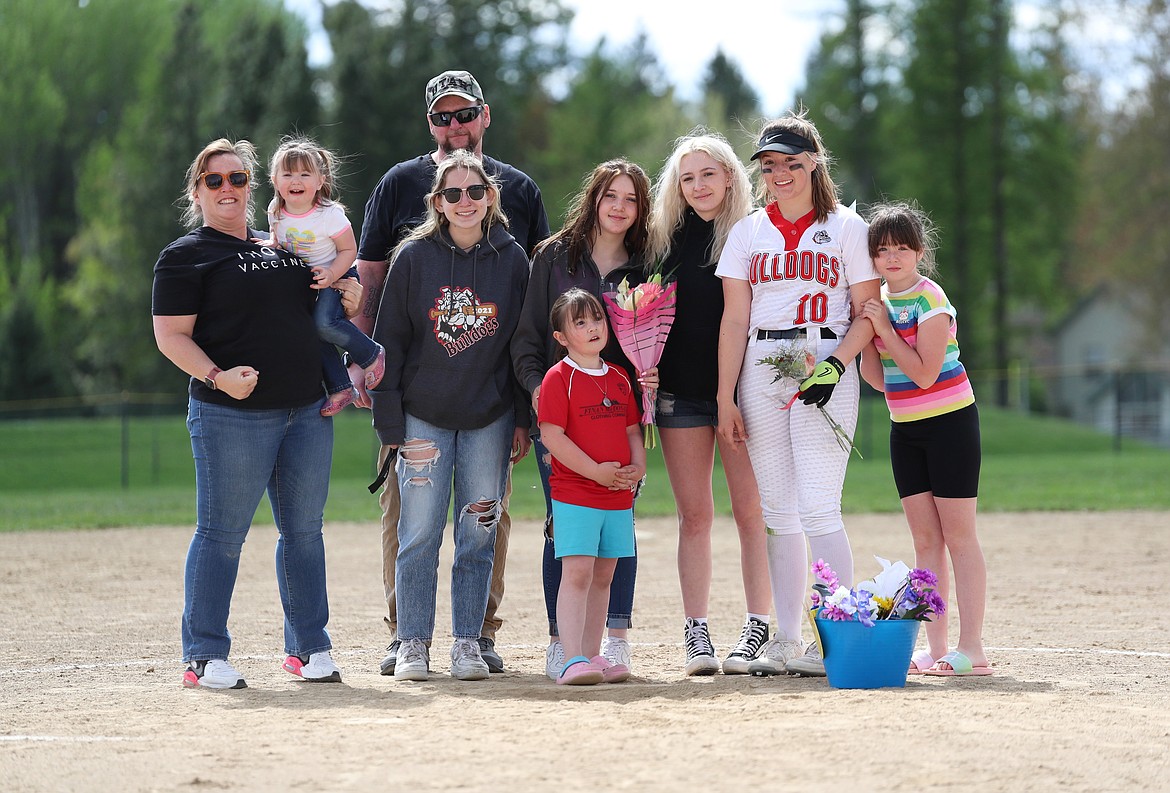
column 799, row 465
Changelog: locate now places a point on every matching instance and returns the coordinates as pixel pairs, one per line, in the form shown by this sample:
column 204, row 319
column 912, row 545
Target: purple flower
column 922, row 579
column 816, row 599
column 936, row 603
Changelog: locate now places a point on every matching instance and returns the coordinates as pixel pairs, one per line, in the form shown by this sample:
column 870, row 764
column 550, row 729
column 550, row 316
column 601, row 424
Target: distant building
column 1113, row 366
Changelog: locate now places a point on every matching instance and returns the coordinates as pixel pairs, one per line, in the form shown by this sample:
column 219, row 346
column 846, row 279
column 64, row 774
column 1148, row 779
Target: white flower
column 885, row 585
column 843, row 599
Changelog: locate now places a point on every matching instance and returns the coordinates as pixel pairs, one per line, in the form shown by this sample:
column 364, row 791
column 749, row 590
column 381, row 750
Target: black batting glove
column 817, row 389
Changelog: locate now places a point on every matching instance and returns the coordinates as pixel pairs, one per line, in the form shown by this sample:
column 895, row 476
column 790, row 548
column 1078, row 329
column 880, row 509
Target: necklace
column 605, row 400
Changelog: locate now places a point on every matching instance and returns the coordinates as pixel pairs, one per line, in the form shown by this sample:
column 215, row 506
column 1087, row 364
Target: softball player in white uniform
column 793, row 274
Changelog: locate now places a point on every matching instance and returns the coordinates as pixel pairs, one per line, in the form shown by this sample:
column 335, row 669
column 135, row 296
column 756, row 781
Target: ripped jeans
column 430, row 458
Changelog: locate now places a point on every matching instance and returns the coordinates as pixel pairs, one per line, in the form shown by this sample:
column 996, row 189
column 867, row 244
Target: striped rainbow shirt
column 952, row 390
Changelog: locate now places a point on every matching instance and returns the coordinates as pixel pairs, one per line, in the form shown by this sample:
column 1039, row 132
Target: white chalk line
column 64, row 738
column 175, row 662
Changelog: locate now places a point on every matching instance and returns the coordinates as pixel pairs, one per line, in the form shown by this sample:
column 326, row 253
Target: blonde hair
column 298, row 151
column 825, row 193
column 434, row 219
column 192, row 216
column 670, row 206
column 581, row 216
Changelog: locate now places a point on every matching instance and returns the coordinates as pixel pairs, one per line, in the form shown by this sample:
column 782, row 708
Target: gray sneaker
column 752, row 639
column 487, row 651
column 775, row 656
column 811, row 664
column 466, row 662
column 387, row 665
column 554, row 659
column 414, row 660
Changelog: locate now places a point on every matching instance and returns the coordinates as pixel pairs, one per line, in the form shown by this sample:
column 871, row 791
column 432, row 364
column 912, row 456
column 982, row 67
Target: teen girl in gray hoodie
column 450, row 403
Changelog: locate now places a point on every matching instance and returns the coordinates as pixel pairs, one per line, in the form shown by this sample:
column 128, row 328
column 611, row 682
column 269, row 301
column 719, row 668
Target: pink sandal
column 920, row 662
column 377, row 369
column 337, row 402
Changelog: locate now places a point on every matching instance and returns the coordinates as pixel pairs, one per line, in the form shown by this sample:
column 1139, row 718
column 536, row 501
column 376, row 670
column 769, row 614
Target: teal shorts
column 585, row 531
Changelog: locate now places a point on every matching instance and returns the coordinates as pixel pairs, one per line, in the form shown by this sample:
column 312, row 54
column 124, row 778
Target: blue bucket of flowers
column 867, row 633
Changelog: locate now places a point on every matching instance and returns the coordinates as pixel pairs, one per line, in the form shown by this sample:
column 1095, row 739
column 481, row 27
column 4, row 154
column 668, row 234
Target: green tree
column 846, row 96
column 1123, row 236
column 219, row 68
column 383, row 58
column 619, row 104
column 729, row 101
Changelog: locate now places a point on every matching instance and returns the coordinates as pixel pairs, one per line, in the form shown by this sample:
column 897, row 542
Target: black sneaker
column 487, row 651
column 387, row 665
column 701, row 658
column 751, row 640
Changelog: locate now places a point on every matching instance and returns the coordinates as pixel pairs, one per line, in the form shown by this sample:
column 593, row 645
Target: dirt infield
column 90, row 694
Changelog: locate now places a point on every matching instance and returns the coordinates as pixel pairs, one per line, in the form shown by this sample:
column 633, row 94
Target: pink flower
column 647, row 293
column 825, row 574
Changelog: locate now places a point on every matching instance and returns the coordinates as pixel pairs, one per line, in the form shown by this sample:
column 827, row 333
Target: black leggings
column 939, row 455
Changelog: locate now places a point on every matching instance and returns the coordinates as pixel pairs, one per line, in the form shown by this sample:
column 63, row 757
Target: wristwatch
column 209, row 380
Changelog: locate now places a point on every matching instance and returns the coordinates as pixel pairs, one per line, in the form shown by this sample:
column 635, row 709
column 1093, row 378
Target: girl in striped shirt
column 934, row 431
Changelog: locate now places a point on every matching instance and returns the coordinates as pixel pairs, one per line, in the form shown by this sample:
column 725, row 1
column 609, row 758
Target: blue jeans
column 621, row 591
column 335, row 330
column 238, row 455
column 428, row 460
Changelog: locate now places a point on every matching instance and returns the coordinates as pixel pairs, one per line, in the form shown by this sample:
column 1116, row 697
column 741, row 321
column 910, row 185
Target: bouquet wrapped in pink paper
column 641, row 318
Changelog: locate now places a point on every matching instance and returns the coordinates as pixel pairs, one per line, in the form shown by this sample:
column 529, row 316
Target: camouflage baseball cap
column 454, row 83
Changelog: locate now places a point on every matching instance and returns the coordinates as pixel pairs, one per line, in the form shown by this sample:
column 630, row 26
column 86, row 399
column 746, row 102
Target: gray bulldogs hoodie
column 446, row 320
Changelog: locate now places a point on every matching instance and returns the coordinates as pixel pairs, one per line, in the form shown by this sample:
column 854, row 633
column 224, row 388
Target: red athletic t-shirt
column 574, row 399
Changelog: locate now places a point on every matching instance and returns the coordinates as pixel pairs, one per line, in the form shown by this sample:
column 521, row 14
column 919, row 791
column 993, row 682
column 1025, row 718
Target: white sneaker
column 554, row 660
column 414, row 660
column 319, row 668
column 811, row 664
column 617, row 652
column 774, row 658
column 216, row 673
column 466, row 662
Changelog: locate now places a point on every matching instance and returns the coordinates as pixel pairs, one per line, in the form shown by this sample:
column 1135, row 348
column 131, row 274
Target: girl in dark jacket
column 605, row 239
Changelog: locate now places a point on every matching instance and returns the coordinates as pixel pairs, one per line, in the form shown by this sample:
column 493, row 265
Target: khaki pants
column 389, row 501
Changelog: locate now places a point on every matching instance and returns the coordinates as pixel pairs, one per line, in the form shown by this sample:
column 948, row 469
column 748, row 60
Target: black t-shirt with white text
column 253, row 307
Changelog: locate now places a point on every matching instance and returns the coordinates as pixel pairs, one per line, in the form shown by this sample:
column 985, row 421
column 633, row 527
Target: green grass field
column 68, row 473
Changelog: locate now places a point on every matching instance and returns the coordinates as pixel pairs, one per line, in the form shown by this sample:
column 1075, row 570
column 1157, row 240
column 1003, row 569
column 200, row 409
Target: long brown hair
column 825, row 193
column 581, row 217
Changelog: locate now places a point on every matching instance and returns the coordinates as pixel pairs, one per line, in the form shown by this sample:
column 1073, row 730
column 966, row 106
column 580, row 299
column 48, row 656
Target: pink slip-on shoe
column 580, row 671
column 337, row 402
column 611, row 672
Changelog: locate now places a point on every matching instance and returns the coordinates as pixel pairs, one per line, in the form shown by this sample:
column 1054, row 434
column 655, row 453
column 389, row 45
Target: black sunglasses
column 474, row 191
column 464, row 116
column 214, row 179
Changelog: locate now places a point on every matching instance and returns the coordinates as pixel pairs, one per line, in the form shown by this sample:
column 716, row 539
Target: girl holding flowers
column 702, row 192
column 604, row 241
column 795, row 273
column 934, row 430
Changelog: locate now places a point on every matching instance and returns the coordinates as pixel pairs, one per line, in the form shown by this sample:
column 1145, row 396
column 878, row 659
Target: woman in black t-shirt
column 702, row 192
column 238, row 317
